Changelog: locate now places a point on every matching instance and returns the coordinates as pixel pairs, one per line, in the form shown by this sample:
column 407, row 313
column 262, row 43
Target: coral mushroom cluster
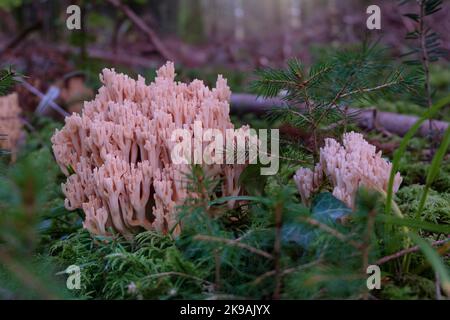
column 10, row 123
column 349, row 166
column 117, row 153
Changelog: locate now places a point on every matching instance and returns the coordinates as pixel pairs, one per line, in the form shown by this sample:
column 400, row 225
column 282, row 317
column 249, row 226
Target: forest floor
column 155, row 266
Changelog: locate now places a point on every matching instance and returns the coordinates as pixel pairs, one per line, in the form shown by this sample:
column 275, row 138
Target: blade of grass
column 435, row 260
column 402, row 148
column 434, row 169
column 414, row 223
column 235, row 198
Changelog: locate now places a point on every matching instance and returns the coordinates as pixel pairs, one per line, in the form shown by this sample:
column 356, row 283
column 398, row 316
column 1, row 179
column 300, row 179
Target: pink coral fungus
column 10, row 123
column 348, row 167
column 117, row 152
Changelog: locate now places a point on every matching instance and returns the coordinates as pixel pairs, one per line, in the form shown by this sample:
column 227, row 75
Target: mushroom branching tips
column 116, row 154
column 348, row 167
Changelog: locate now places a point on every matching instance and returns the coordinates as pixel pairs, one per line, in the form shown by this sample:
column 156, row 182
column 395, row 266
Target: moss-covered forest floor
column 159, row 266
column 272, row 243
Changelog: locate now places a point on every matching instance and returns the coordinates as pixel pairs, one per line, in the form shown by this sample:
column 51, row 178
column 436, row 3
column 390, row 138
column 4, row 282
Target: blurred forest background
column 225, row 36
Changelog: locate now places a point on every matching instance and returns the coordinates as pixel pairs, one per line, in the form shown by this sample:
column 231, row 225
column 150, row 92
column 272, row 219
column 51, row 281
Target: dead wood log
column 365, row 118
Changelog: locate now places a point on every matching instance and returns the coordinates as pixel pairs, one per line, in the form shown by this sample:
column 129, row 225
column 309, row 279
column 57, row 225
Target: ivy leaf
column 296, row 233
column 325, row 208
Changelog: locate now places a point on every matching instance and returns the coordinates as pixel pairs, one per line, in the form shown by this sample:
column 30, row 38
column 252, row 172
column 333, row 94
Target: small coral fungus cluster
column 117, row 153
column 348, row 167
column 10, row 123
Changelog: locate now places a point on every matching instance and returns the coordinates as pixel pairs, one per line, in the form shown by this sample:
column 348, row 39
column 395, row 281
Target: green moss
column 415, row 172
column 409, row 287
column 437, row 205
column 414, row 166
column 112, row 268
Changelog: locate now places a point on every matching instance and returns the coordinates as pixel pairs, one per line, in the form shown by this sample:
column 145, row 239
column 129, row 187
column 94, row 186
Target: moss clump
column 409, row 287
column 437, row 205
column 151, row 267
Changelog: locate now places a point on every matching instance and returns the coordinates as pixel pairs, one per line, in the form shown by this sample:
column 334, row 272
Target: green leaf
column 434, row 169
column 327, row 207
column 414, row 223
column 398, row 154
column 297, row 233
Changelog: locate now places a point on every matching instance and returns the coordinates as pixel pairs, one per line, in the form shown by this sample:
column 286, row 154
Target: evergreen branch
column 234, row 243
column 366, row 90
column 180, row 274
column 285, row 272
column 428, row 46
column 277, row 250
column 331, row 231
column 425, row 57
column 314, row 77
column 332, row 103
column 7, row 80
column 25, row 276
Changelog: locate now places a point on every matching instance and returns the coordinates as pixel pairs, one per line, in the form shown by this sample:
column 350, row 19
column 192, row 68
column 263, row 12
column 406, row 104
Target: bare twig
column 382, row 86
column 406, row 251
column 285, row 271
column 141, row 25
column 234, row 243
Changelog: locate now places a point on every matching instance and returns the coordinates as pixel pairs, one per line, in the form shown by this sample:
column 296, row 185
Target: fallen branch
column 140, row 24
column 38, row 93
column 365, row 118
column 406, row 251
